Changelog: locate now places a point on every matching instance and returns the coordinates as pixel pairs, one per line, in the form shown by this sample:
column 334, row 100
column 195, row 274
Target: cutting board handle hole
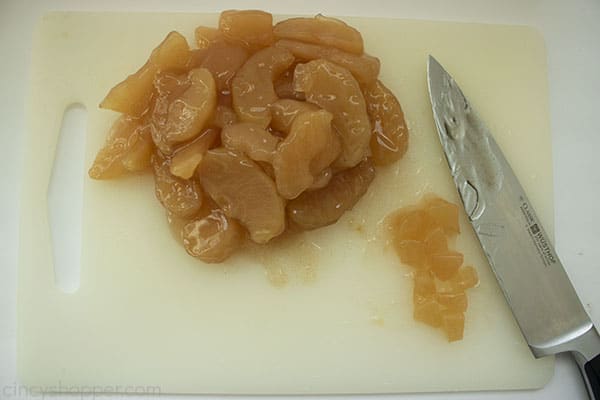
column 65, row 198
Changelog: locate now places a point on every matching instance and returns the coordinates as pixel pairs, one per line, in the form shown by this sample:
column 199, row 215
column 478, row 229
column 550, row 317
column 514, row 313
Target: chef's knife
column 530, row 274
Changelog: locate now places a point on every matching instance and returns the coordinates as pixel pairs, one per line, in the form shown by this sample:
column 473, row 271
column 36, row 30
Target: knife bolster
column 583, row 342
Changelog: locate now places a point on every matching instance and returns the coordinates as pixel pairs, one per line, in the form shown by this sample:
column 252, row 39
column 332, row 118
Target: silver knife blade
column 518, row 249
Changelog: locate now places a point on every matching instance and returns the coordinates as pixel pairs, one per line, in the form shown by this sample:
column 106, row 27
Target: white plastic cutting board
column 327, row 312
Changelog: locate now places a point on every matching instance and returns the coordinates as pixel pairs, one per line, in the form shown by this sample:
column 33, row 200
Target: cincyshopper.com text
column 17, row 391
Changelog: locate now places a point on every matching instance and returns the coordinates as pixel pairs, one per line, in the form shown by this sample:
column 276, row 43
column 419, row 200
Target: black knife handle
column 592, row 375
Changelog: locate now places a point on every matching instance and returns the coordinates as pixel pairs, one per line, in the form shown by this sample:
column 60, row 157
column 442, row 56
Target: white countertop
column 572, row 35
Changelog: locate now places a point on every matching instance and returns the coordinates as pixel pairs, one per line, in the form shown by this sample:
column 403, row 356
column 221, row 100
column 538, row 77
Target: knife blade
column 533, row 280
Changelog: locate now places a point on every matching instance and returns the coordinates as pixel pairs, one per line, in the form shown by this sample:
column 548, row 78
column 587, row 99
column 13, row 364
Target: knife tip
column 435, row 74
column 432, row 65
column 432, row 62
